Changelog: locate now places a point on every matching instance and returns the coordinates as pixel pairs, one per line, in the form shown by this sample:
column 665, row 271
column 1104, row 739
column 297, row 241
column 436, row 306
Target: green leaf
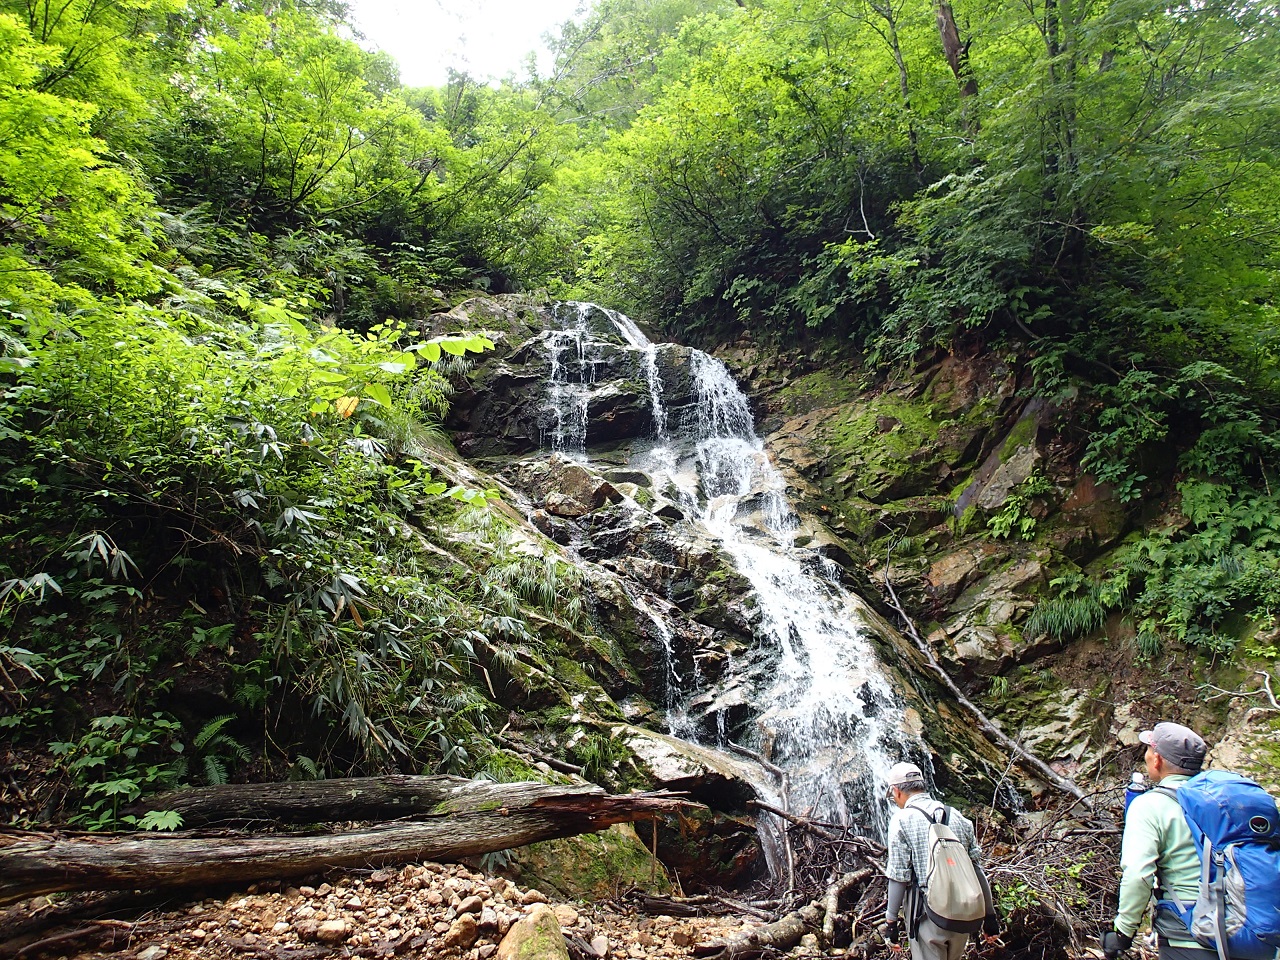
column 161, row 820
column 378, row 394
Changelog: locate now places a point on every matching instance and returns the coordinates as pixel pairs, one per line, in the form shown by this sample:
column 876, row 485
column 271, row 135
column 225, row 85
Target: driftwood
column 475, row 817
column 817, row 917
column 1029, row 759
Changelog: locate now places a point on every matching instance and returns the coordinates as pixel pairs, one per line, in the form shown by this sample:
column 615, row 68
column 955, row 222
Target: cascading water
column 822, row 710
column 572, row 370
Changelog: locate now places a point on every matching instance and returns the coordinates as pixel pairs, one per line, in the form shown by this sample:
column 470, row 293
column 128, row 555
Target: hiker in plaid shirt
column 908, row 864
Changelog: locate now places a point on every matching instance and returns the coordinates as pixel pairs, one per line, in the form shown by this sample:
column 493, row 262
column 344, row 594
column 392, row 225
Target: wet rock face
column 643, row 564
column 655, row 582
column 506, row 407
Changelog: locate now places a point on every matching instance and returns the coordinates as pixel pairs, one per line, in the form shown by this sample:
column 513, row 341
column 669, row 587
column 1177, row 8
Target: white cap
column 902, row 775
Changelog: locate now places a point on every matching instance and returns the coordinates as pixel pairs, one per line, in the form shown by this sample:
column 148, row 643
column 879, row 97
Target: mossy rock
column 892, row 448
column 536, row 936
column 593, row 866
column 821, row 388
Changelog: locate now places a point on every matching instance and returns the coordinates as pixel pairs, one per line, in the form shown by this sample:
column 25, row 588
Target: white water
column 825, row 712
column 649, row 350
column 571, row 373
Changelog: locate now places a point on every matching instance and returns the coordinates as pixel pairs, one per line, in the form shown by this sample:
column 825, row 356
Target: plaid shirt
column 909, row 839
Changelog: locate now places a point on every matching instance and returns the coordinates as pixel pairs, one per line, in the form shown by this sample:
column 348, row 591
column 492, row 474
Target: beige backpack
column 952, row 892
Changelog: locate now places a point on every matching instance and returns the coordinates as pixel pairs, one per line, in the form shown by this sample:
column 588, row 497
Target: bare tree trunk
column 957, row 53
column 477, row 817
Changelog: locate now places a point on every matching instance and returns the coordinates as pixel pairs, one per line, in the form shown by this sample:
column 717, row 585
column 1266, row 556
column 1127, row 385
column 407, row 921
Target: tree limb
column 1047, row 773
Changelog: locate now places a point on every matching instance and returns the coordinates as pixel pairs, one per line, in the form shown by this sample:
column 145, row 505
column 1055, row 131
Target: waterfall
column 649, row 350
column 572, row 372
column 824, row 710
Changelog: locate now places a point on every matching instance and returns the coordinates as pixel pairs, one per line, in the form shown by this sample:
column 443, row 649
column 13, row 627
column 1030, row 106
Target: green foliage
column 1074, row 611
column 212, row 749
column 160, row 820
column 1232, row 439
column 223, row 227
column 118, row 760
column 599, row 756
column 1012, row 519
column 1194, row 583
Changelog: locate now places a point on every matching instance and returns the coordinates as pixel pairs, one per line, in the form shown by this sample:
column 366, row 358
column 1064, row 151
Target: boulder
column 463, row 932
column 562, row 486
column 535, row 936
column 953, row 572
column 593, row 866
column 704, row 773
column 1006, row 477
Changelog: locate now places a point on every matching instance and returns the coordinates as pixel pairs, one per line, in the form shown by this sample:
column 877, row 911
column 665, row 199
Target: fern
column 215, row 771
column 211, row 730
column 305, row 768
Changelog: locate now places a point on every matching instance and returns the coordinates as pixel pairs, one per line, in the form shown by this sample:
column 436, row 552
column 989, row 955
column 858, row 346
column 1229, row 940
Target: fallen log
column 309, row 801
column 476, row 817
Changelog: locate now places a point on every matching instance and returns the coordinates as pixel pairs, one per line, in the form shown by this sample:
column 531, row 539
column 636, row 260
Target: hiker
column 1157, row 850
column 911, row 833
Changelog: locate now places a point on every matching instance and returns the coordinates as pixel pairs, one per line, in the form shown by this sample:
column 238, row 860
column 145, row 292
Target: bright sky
column 487, row 38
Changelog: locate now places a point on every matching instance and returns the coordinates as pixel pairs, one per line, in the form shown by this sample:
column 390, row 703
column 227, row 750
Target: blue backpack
column 1236, row 829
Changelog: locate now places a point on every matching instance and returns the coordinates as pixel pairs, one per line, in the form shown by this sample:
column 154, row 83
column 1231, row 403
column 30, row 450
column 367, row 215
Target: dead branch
column 817, row 917
column 801, row 822
column 1265, row 690
column 1047, row 773
column 758, row 758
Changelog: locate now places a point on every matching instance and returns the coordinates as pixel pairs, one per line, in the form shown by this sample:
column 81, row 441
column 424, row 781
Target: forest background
column 221, row 225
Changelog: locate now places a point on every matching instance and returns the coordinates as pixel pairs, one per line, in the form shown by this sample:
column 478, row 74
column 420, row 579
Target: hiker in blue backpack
column 1209, row 843
column 1156, row 850
column 931, row 936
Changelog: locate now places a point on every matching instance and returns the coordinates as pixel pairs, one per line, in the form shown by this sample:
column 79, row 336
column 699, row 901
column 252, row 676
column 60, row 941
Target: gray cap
column 904, row 775
column 1180, row 745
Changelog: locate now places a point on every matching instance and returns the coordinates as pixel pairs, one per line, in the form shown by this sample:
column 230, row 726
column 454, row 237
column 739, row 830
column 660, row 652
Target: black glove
column 1115, row 943
column 889, row 929
column 991, row 924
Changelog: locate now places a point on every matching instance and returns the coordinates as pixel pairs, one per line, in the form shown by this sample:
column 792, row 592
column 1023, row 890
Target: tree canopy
column 224, row 225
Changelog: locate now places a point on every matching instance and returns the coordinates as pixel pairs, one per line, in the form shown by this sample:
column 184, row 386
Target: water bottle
column 1137, row 785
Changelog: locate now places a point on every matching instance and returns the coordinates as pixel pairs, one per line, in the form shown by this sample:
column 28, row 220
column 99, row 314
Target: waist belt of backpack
column 1218, row 892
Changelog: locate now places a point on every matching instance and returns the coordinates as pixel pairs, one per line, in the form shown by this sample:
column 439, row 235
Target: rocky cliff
column 955, row 483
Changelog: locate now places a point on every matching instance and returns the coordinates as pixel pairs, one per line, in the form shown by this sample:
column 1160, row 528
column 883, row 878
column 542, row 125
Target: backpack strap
column 943, row 810
column 919, row 881
column 1219, row 892
column 1173, row 903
